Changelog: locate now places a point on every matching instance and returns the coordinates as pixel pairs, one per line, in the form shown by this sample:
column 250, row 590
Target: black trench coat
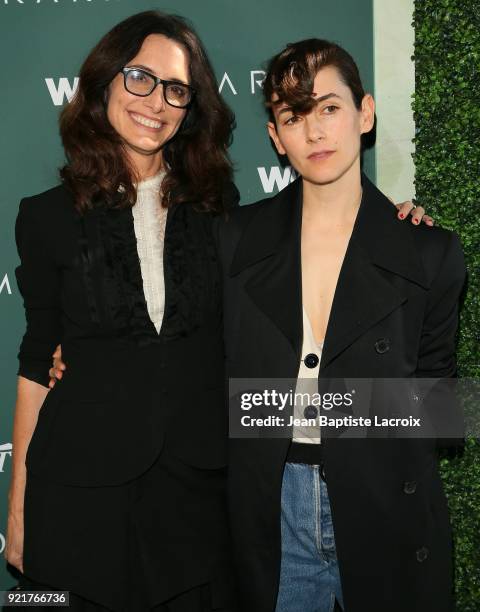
column 395, row 314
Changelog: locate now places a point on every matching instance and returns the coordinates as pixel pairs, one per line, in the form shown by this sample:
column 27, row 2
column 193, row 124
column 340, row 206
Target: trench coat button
column 422, row 554
column 409, row 487
column 310, row 412
column 311, row 360
column 382, row 345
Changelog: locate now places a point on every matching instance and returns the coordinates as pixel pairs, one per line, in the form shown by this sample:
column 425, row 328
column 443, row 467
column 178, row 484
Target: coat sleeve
column 437, row 343
column 437, row 359
column 38, row 279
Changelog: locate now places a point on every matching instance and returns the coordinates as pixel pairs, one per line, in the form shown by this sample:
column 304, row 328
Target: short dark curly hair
column 291, row 73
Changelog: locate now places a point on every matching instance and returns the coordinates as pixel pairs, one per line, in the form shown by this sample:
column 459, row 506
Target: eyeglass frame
column 157, row 81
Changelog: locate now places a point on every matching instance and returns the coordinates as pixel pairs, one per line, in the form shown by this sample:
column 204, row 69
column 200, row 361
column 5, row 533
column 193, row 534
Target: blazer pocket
column 92, row 384
column 96, row 442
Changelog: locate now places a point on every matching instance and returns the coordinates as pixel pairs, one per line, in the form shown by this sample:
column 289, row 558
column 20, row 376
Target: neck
column 336, row 202
column 145, row 166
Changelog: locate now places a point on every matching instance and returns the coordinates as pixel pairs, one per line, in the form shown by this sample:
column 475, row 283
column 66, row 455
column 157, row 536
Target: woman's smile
column 147, row 122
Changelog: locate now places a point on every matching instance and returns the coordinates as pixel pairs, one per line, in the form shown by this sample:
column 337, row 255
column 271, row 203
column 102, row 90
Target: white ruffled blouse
column 149, row 220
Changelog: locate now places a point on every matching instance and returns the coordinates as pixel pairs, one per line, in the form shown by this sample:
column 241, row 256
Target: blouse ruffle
column 113, row 277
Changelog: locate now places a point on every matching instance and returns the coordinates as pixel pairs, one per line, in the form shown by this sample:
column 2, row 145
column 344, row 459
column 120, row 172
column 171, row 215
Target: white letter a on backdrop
column 5, row 284
column 226, row 79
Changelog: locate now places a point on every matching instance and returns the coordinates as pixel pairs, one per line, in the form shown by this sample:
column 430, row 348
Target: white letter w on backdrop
column 63, row 90
column 275, row 178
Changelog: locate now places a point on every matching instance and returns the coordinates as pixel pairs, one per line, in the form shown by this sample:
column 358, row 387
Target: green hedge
column 447, row 159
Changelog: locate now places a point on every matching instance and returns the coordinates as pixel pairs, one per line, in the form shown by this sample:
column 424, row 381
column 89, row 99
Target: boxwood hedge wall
column 447, row 159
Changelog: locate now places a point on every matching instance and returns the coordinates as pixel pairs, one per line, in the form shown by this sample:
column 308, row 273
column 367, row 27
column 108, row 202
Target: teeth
column 147, row 122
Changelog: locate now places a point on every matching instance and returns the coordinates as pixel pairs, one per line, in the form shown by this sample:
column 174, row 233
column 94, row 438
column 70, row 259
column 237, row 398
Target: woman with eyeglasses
column 122, row 499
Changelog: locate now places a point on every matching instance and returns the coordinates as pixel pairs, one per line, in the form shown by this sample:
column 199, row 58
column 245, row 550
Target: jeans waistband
column 310, row 454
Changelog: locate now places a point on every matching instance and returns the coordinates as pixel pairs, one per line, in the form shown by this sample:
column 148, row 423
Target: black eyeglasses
column 141, row 83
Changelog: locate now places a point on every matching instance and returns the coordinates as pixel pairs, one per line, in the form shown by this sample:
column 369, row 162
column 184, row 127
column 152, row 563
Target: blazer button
column 422, row 554
column 311, row 360
column 382, row 345
column 409, row 487
column 310, row 412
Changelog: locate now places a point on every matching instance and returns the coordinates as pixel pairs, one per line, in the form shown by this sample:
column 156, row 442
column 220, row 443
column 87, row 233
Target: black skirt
column 159, row 542
column 198, row 599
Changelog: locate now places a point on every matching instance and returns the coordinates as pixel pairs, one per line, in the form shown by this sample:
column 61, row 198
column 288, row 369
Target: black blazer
column 127, row 390
column 394, row 315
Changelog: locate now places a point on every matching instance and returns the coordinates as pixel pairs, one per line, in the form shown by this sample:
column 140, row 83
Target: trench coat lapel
column 362, row 298
column 380, row 246
column 271, row 245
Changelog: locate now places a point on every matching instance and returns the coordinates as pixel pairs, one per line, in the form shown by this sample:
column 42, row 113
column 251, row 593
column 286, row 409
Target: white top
column 149, row 220
column 307, row 383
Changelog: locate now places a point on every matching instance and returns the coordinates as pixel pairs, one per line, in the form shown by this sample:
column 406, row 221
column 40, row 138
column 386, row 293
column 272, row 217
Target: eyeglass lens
column 142, row 84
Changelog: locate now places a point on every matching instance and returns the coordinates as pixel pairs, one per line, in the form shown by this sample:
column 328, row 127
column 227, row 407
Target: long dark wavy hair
column 196, row 158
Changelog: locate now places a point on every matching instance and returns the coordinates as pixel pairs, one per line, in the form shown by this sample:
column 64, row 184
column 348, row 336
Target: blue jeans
column 309, row 577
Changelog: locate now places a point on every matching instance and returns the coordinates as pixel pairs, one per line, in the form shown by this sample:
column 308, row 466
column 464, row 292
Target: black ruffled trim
column 123, row 276
column 87, row 266
column 187, row 271
column 113, row 276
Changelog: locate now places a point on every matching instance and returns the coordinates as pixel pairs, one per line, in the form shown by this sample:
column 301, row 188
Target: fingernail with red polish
column 401, row 215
